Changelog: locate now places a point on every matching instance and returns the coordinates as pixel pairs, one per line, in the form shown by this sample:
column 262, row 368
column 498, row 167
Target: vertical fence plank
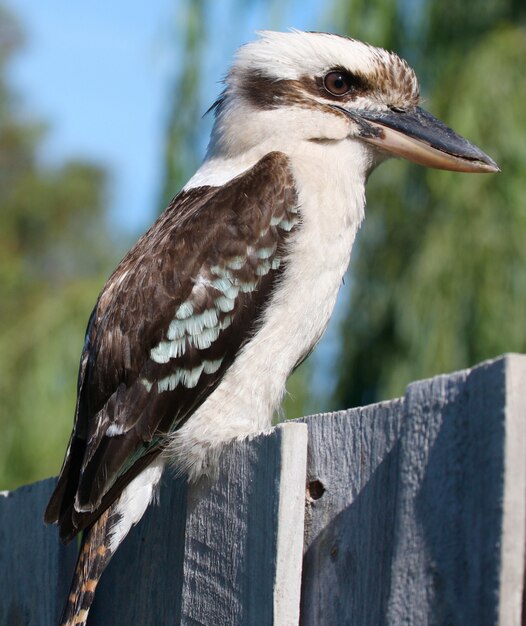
column 290, row 524
column 142, row 584
column 352, row 480
column 35, row 568
column 417, row 510
column 217, row 561
column 455, row 472
column 513, row 558
column 235, row 555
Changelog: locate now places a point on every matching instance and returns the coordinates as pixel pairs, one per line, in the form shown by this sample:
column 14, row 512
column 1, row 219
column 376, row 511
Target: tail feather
column 102, row 539
column 94, row 556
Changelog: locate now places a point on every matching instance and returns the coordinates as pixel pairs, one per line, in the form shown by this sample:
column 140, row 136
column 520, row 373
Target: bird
column 195, row 333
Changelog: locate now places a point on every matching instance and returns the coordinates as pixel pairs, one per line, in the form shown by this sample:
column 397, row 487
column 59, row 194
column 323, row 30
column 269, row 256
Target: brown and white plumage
column 195, row 333
column 167, row 325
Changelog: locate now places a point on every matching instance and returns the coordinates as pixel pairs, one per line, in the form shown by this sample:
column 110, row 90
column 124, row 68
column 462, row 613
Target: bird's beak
column 420, row 137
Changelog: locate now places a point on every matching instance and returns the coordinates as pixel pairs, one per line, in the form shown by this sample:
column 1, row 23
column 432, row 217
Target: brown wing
column 166, row 327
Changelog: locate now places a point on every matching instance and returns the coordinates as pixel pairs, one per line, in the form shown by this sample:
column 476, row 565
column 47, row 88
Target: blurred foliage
column 181, row 156
column 438, row 276
column 437, row 272
column 53, row 256
column 437, row 279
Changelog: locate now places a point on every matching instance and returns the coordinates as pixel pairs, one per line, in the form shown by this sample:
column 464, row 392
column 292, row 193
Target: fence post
column 350, row 516
column 35, row 568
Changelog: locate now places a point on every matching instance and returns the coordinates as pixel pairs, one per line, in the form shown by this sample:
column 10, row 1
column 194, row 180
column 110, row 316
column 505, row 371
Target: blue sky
column 99, row 74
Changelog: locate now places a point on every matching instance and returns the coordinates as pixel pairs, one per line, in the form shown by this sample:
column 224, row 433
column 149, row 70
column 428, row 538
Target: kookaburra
column 195, row 333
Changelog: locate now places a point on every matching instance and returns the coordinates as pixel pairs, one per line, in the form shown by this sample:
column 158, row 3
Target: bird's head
column 285, row 89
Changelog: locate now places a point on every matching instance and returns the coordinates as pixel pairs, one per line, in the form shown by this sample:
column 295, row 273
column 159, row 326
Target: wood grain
column 35, row 568
column 353, row 459
column 227, row 551
column 237, row 559
column 423, row 516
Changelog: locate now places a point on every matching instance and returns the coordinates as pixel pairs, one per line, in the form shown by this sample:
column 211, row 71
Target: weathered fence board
column 352, row 474
column 221, row 560
column 423, row 518
column 512, row 590
column 448, row 565
column 238, row 569
column 35, row 569
column 415, row 515
column 143, row 582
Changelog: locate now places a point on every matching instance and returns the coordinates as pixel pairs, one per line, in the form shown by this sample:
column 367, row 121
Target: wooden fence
column 407, row 512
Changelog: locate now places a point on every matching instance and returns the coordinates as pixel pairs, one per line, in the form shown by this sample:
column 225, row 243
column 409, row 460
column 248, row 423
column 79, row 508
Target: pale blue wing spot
column 247, row 287
column 275, row 220
column 205, row 339
column 211, row 367
column 167, row 350
column 232, row 292
column 225, row 304
column 221, row 272
column 210, row 318
column 170, row 382
column 147, row 384
column 195, row 324
column 114, row 430
column 222, row 284
column 177, row 329
column 236, row 263
column 162, row 352
column 275, row 263
column 185, row 310
column 263, row 268
column 287, row 225
column 225, row 322
column 190, row 378
column 265, row 253
column 178, row 347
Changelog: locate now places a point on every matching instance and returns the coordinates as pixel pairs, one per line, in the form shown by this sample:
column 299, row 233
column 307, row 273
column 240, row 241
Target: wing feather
column 166, row 327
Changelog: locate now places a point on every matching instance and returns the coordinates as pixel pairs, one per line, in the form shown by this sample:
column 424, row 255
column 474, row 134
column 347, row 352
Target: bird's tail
column 101, row 540
column 94, row 556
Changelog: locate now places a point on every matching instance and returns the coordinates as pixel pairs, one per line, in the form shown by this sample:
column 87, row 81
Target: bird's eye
column 337, row 83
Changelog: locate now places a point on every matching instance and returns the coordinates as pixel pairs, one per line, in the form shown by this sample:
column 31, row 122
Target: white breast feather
column 331, row 200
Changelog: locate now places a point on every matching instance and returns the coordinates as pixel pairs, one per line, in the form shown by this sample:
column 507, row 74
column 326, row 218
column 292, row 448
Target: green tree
column 53, row 256
column 181, row 150
column 437, row 281
column 421, row 298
